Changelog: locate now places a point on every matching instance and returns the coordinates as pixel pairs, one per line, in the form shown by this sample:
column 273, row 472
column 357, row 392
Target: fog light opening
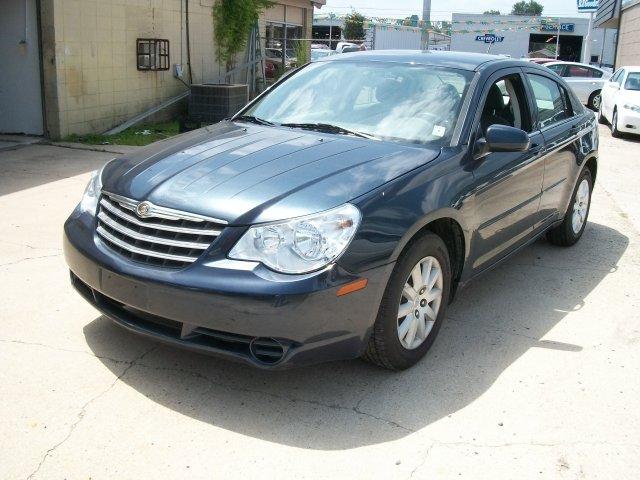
column 266, row 350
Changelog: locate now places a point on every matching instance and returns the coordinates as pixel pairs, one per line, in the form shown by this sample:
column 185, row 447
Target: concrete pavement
column 535, row 373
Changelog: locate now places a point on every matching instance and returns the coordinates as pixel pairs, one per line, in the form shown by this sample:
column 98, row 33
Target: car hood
column 247, row 173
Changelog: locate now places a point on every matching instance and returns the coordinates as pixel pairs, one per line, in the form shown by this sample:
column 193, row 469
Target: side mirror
column 502, row 138
column 615, row 85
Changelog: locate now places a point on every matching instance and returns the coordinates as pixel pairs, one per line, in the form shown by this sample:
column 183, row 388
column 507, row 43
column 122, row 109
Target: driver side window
column 505, row 104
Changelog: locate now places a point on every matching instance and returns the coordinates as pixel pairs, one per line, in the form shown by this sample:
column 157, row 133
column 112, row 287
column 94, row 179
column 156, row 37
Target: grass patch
column 138, row 135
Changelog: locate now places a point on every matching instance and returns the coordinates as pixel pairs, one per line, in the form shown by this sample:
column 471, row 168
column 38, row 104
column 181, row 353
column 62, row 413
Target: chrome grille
column 162, row 237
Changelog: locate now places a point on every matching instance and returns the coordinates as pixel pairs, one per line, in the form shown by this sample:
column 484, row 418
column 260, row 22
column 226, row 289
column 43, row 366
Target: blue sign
column 553, row 27
column 587, row 5
column 489, row 38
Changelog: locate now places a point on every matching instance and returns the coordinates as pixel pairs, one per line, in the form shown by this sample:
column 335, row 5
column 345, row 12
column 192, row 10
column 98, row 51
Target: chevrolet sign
column 489, row 38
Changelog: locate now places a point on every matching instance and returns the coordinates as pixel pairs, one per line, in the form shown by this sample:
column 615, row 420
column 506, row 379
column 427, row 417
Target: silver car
column 585, row 80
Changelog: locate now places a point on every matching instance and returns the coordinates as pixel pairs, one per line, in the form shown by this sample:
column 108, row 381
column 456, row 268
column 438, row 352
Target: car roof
column 631, row 68
column 562, row 62
column 461, row 60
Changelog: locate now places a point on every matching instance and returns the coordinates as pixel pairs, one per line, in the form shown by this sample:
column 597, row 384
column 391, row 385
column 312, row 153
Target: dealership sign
column 553, row 27
column 587, row 5
column 489, row 38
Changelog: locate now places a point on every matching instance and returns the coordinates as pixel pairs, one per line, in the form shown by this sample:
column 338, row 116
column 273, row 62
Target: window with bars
column 152, row 54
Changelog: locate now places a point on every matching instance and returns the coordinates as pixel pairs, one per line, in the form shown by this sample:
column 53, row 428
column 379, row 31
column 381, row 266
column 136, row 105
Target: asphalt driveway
column 535, row 373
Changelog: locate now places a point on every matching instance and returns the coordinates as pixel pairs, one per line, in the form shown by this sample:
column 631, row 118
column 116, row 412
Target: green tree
column 492, row 12
column 523, row 7
column 354, row 26
column 232, row 24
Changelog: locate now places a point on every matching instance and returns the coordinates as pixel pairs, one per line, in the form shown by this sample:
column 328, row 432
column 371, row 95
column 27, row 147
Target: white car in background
column 585, row 80
column 620, row 104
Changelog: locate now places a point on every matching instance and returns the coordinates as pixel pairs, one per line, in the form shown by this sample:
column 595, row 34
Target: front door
column 20, row 95
column 509, row 183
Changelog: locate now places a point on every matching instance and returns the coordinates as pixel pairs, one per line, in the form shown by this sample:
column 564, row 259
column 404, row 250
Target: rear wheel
column 413, row 305
column 575, row 220
column 594, row 100
column 614, row 124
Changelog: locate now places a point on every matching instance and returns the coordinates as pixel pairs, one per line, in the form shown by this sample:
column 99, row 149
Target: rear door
column 561, row 125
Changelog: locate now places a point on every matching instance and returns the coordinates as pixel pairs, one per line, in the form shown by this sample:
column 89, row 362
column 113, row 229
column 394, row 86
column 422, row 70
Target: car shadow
column 342, row 405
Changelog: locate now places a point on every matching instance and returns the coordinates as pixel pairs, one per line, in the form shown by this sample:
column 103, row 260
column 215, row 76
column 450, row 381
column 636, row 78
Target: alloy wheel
column 420, row 303
column 596, row 101
column 580, row 206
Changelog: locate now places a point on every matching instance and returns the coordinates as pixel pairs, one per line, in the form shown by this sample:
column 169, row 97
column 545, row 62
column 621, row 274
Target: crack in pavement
column 15, row 262
column 83, row 411
column 61, row 349
column 424, row 459
column 355, row 409
column 534, row 444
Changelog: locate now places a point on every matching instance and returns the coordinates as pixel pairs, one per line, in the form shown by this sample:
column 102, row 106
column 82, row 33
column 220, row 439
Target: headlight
column 300, row 245
column 89, row 201
column 633, row 107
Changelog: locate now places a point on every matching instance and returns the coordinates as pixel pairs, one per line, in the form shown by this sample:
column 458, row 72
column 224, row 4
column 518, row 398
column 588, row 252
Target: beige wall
column 629, row 37
column 91, row 79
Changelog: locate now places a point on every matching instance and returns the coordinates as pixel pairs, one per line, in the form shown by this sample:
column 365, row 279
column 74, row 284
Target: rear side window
column 595, row 73
column 550, row 99
column 556, row 68
column 583, row 72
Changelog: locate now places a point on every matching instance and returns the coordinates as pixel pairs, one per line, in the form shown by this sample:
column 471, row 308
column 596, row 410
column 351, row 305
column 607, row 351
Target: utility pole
column 331, row 17
column 586, row 57
column 558, row 40
column 426, row 21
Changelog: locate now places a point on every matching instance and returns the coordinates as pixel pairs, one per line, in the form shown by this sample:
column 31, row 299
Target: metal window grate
column 152, row 54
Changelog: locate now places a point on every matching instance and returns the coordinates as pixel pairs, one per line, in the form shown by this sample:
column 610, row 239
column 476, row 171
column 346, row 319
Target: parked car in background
column 620, row 104
column 336, row 215
column 345, row 47
column 275, row 55
column 318, row 53
column 585, row 80
column 269, row 68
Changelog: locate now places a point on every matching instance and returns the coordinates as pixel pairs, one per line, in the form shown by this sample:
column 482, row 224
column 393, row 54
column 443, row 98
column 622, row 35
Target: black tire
column 592, row 101
column 601, row 119
column 384, row 348
column 563, row 235
column 615, row 133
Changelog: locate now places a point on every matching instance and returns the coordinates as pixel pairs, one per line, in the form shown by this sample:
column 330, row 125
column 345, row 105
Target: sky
column 441, row 9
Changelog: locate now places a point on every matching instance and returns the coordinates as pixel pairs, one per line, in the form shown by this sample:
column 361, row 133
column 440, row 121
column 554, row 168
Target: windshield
column 633, row 81
column 391, row 101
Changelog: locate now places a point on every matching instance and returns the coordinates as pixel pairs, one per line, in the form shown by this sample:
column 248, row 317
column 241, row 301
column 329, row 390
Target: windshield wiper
column 254, row 119
column 328, row 128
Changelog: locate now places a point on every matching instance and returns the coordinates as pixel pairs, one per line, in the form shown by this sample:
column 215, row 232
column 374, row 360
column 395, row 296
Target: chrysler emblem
column 143, row 209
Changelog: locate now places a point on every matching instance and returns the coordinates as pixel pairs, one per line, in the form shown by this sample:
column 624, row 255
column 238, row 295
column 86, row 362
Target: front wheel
column 614, row 124
column 601, row 119
column 413, row 305
column 575, row 220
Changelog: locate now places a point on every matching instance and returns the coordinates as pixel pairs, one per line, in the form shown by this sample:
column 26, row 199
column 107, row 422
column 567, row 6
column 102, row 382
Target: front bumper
column 628, row 121
column 238, row 310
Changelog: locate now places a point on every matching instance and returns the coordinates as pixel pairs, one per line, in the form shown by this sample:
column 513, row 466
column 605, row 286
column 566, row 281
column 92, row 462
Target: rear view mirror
column 502, row 138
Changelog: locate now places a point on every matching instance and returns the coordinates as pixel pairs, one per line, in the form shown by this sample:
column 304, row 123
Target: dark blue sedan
column 338, row 214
